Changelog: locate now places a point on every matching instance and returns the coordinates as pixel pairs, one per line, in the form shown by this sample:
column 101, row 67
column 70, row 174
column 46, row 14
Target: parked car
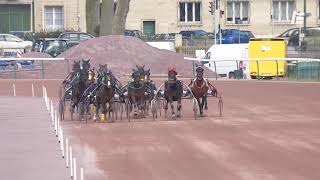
column 133, row 33
column 9, row 41
column 234, row 36
column 311, row 40
column 10, row 45
column 292, row 35
column 164, row 37
column 21, row 34
column 193, row 34
column 287, row 34
column 75, row 37
column 52, row 46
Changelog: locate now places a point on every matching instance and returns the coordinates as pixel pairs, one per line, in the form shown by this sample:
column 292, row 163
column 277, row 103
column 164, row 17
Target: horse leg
column 166, row 107
column 205, row 102
column 104, row 111
column 96, row 113
column 200, row 104
column 111, row 112
column 179, row 106
column 172, row 108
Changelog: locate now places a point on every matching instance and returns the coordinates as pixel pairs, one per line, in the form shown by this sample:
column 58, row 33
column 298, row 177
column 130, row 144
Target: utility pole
column 305, row 16
column 216, row 20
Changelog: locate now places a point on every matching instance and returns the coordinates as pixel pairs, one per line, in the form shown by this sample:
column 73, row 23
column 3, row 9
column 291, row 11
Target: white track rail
column 253, row 59
column 32, row 59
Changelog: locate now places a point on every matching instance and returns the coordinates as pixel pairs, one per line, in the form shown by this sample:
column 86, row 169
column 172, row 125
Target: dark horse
column 149, row 84
column 105, row 91
column 65, row 91
column 200, row 88
column 173, row 90
column 136, row 94
column 79, row 84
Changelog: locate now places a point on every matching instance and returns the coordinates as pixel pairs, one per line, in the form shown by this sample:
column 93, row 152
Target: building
column 42, row 15
column 262, row 17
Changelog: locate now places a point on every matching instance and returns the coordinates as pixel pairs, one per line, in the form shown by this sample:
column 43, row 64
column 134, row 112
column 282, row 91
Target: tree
column 93, row 16
column 120, row 17
column 110, row 20
column 106, row 17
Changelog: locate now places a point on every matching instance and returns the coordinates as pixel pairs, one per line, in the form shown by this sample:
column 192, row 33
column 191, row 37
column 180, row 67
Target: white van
column 220, row 52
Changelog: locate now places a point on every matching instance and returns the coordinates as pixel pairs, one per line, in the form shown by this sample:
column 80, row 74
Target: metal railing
column 14, row 68
column 296, row 68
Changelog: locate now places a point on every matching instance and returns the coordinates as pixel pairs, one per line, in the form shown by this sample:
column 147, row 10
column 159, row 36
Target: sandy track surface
column 269, row 130
column 29, row 149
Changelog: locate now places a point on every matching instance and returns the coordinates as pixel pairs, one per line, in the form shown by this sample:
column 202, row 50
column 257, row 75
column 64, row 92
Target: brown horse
column 200, row 88
column 104, row 93
column 136, row 94
column 173, row 90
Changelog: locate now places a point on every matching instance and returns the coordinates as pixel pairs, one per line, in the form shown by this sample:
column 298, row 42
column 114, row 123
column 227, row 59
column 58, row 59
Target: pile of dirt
column 122, row 53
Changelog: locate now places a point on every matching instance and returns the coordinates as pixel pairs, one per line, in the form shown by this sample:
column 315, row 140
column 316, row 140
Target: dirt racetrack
column 269, row 131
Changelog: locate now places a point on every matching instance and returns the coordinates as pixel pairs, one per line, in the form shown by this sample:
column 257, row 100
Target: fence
column 191, row 50
column 37, row 68
column 297, row 68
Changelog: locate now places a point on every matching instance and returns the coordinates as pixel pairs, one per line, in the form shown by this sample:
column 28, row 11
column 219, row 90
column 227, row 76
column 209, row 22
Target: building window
column 53, row 17
column 190, row 11
column 282, row 10
column 238, row 12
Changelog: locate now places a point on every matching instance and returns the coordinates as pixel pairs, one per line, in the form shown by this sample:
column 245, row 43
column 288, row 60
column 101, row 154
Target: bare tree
column 93, row 16
column 120, row 17
column 106, row 17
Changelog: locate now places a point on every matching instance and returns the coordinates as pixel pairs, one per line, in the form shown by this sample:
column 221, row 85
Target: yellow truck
column 267, row 48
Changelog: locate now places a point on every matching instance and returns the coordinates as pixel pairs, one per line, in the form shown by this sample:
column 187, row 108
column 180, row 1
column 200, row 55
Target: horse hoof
column 206, row 108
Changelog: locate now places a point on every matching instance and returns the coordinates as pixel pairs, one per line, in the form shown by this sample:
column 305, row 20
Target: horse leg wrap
column 102, row 117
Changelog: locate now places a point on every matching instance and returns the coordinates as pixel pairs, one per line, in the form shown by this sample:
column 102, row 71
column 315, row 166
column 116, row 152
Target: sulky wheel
column 220, row 105
column 61, row 109
column 154, row 103
column 195, row 107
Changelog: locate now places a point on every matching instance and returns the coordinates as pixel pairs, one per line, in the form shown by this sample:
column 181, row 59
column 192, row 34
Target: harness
column 204, row 83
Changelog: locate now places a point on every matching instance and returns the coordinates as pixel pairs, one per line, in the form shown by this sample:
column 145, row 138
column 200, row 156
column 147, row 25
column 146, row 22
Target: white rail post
column 67, row 152
column 75, row 169
column 81, row 173
column 54, row 122
column 43, row 92
column 62, row 143
column 14, row 90
column 51, row 110
column 59, row 130
column 32, row 90
column 71, row 163
column 48, row 106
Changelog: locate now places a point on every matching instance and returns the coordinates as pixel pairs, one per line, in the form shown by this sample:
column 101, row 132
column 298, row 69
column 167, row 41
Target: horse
column 136, row 94
column 173, row 90
column 79, row 84
column 65, row 91
column 105, row 92
column 200, row 88
column 150, row 85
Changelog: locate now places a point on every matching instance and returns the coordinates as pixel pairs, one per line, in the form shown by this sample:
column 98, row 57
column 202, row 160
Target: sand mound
column 36, row 55
column 122, row 53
